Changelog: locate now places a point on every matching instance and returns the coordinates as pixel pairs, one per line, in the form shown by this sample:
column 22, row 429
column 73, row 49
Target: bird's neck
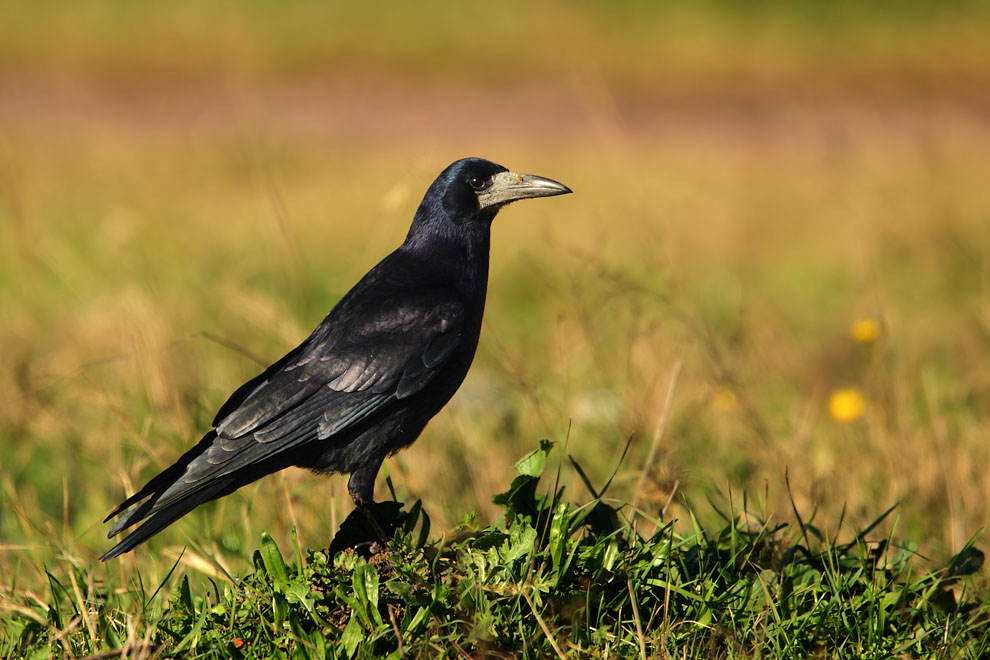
column 459, row 260
column 454, row 260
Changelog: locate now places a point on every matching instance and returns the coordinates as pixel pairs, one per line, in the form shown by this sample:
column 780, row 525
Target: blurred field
column 185, row 192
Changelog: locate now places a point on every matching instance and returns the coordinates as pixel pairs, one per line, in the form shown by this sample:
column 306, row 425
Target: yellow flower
column 865, row 330
column 846, row 405
column 723, row 399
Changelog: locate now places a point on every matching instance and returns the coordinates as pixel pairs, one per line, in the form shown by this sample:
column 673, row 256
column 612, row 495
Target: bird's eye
column 477, row 183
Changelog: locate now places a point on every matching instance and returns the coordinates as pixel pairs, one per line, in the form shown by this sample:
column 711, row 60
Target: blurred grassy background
column 185, row 190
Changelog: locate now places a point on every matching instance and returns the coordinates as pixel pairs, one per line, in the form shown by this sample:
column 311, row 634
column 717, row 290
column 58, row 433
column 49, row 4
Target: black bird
column 384, row 361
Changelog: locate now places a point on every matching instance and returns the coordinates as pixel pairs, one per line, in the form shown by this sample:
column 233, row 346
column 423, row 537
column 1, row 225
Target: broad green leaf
column 274, row 564
column 531, row 465
column 557, row 541
column 299, row 591
column 417, row 620
column 366, row 591
column 520, row 544
column 351, row 637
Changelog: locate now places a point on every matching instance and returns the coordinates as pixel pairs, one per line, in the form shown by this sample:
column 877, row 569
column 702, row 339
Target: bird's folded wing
column 339, row 377
column 320, row 389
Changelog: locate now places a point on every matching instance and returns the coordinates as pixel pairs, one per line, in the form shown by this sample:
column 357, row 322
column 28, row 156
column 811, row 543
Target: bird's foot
column 382, row 528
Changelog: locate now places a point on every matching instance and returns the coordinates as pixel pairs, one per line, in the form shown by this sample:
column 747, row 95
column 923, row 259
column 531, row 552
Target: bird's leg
column 361, row 486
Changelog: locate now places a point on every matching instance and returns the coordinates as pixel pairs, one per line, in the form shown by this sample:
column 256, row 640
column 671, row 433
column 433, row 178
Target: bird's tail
column 160, row 514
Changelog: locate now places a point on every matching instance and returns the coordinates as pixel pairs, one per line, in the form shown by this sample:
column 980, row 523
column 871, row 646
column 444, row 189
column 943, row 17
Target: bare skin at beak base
column 509, row 187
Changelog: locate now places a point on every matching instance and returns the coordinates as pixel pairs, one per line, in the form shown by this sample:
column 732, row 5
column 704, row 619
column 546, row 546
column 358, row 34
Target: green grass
column 552, row 579
column 186, row 190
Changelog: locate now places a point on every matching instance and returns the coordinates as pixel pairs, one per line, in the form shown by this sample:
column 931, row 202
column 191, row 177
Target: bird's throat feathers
column 459, row 257
column 461, row 236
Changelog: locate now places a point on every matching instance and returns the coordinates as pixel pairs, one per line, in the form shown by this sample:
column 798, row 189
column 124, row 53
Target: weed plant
column 552, row 579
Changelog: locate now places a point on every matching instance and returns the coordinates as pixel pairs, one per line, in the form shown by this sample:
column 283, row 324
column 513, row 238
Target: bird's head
column 475, row 185
column 472, row 190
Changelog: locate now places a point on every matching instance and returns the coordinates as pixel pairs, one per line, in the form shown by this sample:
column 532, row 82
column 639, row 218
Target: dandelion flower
column 846, row 405
column 723, row 399
column 865, row 330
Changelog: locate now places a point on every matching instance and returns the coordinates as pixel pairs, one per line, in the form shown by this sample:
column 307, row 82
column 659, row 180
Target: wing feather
column 342, row 375
column 373, row 354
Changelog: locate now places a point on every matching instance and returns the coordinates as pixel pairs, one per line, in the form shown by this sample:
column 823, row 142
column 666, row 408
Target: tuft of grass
column 553, row 578
column 749, row 181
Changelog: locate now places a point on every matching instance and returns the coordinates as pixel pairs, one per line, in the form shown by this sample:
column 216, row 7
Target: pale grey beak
column 508, row 187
